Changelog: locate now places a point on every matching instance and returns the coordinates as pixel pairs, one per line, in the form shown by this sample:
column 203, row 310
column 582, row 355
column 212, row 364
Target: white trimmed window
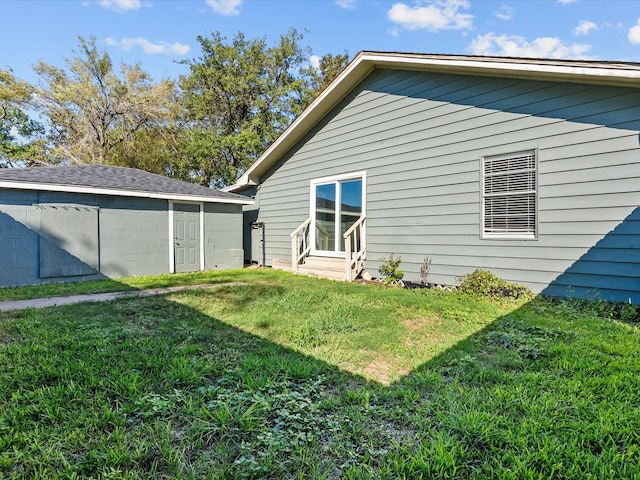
column 509, row 190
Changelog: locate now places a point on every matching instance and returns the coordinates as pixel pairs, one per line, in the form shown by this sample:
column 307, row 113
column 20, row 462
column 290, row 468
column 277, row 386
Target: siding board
column 420, row 137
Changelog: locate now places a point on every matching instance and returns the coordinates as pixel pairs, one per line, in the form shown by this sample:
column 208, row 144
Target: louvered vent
column 509, row 204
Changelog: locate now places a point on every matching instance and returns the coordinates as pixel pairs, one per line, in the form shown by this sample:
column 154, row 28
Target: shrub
column 389, row 269
column 485, row 284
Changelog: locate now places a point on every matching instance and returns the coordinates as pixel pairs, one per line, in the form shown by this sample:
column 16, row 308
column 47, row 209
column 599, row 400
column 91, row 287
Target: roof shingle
column 120, row 180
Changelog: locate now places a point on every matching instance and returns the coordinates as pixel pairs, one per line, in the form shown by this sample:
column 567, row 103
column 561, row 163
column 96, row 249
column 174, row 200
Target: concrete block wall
column 133, row 236
column 223, row 236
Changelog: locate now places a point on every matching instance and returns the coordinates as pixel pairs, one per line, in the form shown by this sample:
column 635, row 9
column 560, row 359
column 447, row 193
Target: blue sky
column 159, row 33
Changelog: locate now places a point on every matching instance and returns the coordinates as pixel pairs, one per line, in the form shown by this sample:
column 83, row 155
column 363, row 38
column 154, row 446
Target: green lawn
column 120, row 284
column 294, row 377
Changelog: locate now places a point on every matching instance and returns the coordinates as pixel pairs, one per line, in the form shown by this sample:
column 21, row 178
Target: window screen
column 509, row 195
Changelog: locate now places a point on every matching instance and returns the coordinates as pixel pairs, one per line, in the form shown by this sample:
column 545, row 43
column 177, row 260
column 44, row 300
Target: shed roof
column 578, row 71
column 110, row 180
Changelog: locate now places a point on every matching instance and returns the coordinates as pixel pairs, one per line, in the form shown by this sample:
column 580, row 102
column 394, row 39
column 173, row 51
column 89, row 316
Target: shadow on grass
column 154, row 387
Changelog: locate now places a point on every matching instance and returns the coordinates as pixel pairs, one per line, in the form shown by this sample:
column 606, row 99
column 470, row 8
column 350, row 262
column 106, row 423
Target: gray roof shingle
column 119, row 179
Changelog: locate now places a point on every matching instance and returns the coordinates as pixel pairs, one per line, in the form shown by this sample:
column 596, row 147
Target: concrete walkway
column 104, row 297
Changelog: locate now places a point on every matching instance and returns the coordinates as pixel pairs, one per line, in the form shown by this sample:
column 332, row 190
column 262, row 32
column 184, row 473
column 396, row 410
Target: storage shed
column 86, row 222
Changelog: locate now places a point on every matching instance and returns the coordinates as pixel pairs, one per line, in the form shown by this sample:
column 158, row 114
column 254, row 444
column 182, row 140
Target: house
column 528, row 168
column 86, row 222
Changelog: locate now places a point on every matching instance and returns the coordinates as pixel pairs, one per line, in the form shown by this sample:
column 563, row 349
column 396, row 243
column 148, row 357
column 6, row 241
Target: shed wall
column 420, row 138
column 132, row 237
column 223, row 236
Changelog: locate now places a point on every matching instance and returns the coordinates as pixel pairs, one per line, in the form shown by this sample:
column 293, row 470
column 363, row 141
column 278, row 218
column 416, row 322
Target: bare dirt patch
column 419, row 323
column 383, row 371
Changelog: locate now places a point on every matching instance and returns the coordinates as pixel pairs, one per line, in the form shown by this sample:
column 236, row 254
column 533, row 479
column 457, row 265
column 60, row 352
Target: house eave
column 600, row 73
column 236, row 187
column 120, row 193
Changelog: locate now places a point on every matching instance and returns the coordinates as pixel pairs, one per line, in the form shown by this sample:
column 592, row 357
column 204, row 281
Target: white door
column 336, row 205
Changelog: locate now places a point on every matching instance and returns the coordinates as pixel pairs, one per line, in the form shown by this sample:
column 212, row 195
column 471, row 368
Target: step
column 322, row 273
column 324, row 267
column 324, row 263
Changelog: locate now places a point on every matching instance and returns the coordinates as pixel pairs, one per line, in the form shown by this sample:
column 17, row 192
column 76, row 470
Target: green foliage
column 16, row 97
column 390, row 269
column 625, row 312
column 97, row 115
column 238, row 96
column 236, row 99
column 329, row 67
column 485, row 284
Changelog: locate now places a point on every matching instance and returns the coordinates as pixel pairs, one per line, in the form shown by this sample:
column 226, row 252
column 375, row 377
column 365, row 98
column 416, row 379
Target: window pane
column 325, row 217
column 351, row 206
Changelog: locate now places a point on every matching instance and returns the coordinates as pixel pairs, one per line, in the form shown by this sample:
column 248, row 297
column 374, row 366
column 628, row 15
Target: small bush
column 389, row 269
column 482, row 283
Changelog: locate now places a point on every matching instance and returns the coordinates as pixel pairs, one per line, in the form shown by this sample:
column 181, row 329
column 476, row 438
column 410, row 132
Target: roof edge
column 19, row 185
column 594, row 72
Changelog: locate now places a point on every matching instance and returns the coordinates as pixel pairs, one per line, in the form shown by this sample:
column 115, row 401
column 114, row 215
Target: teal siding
column 420, row 137
column 223, row 236
column 132, row 238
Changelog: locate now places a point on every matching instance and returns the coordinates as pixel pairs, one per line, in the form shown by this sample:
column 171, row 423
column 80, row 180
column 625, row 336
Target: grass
column 119, row 285
column 292, row 377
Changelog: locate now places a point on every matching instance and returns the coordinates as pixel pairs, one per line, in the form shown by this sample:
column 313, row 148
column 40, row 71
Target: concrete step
column 324, row 263
column 322, row 274
column 324, row 267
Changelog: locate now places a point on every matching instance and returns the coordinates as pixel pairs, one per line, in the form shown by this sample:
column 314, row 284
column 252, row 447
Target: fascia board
column 522, row 68
column 365, row 62
column 336, row 91
column 120, row 193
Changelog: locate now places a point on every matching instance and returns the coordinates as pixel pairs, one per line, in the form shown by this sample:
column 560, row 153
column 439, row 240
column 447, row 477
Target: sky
column 158, row 34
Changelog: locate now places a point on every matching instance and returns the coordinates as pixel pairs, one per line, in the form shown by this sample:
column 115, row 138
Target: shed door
column 186, row 228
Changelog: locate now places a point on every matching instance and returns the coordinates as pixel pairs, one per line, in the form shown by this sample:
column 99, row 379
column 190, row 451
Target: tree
column 329, row 67
column 20, row 136
column 238, row 97
column 96, row 116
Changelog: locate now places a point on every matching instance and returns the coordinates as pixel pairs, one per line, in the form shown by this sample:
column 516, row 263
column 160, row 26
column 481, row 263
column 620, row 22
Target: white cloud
column 347, row 4
column 515, row 46
column 634, row 33
column 148, row 47
column 585, row 27
column 435, row 16
column 120, row 6
column 229, row 8
column 505, row 13
column 567, row 1
column 314, row 60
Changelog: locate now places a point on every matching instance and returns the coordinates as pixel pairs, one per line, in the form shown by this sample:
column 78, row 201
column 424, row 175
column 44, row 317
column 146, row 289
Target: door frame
column 336, row 179
column 172, row 238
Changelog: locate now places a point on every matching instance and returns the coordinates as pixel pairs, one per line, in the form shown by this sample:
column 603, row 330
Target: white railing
column 354, row 249
column 300, row 246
